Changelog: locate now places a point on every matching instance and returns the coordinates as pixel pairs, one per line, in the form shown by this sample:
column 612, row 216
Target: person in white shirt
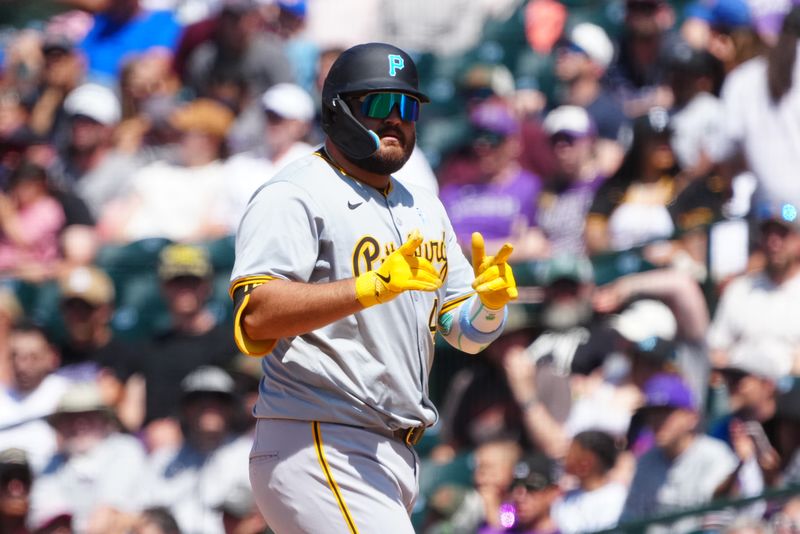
column 683, row 469
column 289, row 113
column 33, row 394
column 597, row 501
column 757, row 313
column 761, row 100
column 95, row 469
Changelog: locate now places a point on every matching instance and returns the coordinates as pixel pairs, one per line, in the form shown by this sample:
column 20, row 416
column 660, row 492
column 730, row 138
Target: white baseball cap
column 644, row 319
column 290, row 101
column 594, row 42
column 95, row 101
column 572, row 119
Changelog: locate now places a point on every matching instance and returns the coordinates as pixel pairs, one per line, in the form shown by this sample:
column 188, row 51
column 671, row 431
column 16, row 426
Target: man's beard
column 386, row 165
column 565, row 315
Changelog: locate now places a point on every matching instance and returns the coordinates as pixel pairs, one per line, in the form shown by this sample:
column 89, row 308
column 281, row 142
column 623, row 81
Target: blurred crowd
column 638, row 154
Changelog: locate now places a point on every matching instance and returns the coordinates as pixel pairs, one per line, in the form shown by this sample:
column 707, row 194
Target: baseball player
column 342, row 277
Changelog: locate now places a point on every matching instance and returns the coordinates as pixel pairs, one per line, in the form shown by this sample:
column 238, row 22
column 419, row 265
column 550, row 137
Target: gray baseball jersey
column 313, row 223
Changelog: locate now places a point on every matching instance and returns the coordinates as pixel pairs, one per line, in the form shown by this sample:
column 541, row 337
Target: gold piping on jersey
column 255, row 280
column 323, row 154
column 240, row 292
column 323, row 462
column 451, row 304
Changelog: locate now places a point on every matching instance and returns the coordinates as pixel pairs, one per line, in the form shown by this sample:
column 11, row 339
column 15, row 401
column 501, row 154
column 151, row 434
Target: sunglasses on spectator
column 563, row 137
column 380, row 105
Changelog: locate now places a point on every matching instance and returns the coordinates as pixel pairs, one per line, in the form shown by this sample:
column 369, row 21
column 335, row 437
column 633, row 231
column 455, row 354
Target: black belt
column 409, row 436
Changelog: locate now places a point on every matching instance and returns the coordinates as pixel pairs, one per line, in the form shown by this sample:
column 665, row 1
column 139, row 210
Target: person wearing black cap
column 16, row 478
column 342, row 274
column 533, row 492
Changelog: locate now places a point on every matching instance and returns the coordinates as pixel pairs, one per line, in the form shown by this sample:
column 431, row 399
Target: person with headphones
column 342, row 277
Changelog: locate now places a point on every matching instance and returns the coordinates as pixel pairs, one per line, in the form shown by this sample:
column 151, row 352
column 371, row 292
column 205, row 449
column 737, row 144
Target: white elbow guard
column 471, row 327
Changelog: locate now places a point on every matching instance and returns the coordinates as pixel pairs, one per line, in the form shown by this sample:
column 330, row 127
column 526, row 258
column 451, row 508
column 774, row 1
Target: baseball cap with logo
column 289, row 101
column 536, row 472
column 87, row 283
column 184, row 260
column 784, row 213
column 95, row 101
column 666, row 390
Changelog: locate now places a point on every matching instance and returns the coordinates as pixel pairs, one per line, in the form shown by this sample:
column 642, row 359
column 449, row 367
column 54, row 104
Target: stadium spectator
column 500, row 203
column 182, row 200
column 289, row 113
column 30, row 221
column 33, row 393
column 683, row 468
column 663, row 303
column 194, row 480
column 630, row 208
column 92, row 168
column 16, row 477
column 196, row 337
column 761, row 131
column 86, row 473
column 637, row 77
column 697, row 115
column 480, row 507
column 566, row 196
column 533, row 492
column 753, row 318
column 62, row 72
column 156, row 520
column 238, row 43
column 596, row 503
column 582, row 57
column 120, row 28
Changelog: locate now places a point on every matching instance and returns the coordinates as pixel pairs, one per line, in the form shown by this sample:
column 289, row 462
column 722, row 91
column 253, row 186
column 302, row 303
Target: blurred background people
column 86, row 475
column 194, row 480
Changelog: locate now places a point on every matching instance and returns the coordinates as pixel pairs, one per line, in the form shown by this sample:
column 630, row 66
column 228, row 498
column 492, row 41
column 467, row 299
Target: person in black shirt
column 195, row 338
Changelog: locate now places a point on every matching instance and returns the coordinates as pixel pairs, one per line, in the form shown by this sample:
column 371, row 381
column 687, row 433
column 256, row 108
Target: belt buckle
column 414, row 434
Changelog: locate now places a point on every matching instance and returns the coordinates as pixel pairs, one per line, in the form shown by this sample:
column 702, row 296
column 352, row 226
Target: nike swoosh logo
column 386, row 279
column 353, row 206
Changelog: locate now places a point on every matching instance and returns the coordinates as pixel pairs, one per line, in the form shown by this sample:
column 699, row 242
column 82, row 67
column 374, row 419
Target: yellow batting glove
column 494, row 281
column 400, row 271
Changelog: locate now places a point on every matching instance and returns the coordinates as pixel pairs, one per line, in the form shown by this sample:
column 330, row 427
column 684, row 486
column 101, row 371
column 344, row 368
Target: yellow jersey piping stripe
column 450, row 305
column 323, row 462
column 257, row 280
column 249, row 346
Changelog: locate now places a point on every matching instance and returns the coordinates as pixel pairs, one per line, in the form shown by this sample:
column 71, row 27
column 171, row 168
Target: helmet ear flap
column 352, row 137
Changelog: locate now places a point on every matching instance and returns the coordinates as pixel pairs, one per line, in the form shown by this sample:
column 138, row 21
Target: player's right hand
column 400, row 271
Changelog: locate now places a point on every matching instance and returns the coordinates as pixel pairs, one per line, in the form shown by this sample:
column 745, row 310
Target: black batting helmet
column 362, row 69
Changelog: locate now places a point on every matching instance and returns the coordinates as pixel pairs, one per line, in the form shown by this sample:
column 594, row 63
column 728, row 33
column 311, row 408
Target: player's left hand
column 494, row 281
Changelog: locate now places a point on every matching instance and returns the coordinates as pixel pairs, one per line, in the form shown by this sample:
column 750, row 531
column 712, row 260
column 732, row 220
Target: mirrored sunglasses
column 380, row 105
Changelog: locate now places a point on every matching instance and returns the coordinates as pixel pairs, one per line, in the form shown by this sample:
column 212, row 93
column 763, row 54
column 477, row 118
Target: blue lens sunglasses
column 380, row 105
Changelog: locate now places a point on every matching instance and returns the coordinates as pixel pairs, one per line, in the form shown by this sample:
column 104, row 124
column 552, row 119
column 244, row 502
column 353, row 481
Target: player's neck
column 378, row 181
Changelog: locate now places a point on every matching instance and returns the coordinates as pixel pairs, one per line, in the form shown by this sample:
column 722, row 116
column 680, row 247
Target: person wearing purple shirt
column 566, row 198
column 124, row 28
column 501, row 202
